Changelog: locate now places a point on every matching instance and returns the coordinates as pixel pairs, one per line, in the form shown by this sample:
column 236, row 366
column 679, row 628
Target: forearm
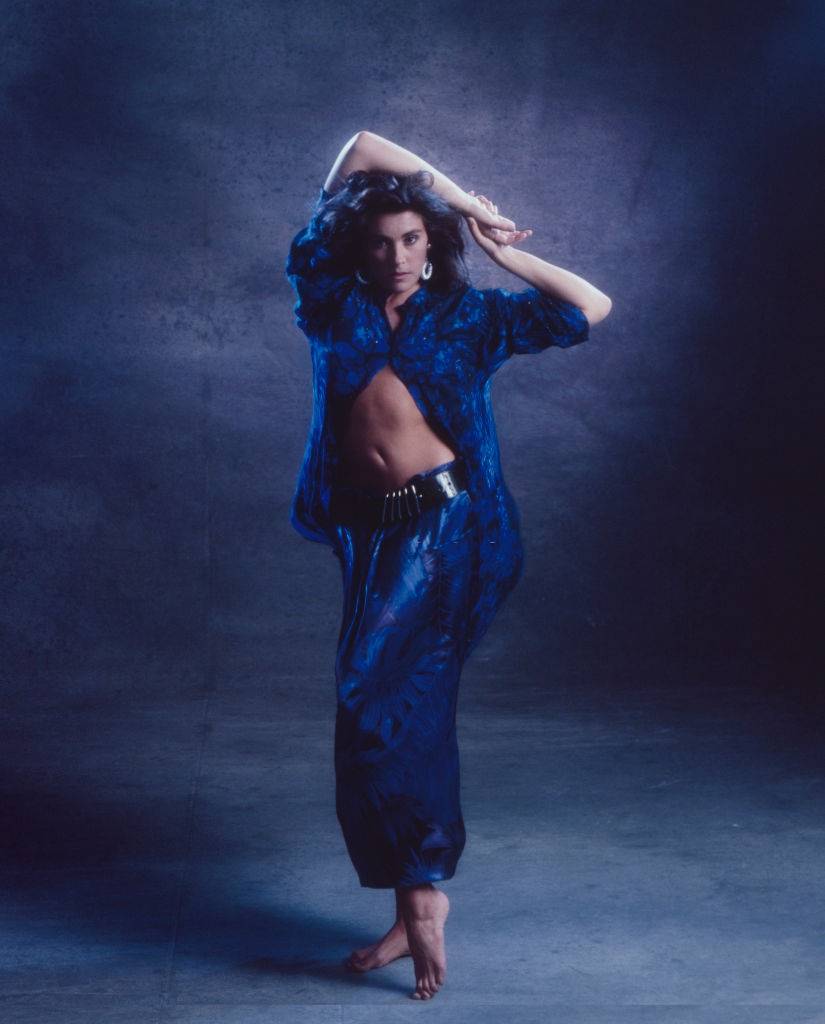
column 367, row 151
column 555, row 281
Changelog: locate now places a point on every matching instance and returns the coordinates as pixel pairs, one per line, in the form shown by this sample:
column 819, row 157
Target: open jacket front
column 446, row 351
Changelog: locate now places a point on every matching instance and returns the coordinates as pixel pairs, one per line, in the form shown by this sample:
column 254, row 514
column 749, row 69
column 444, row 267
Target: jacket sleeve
column 312, row 271
column 517, row 323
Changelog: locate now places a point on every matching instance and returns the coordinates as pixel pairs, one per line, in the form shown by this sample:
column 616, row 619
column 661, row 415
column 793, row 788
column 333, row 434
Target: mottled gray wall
column 158, row 157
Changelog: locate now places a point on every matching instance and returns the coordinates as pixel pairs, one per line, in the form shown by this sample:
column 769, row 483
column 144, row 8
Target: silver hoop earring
column 360, row 277
column 427, row 272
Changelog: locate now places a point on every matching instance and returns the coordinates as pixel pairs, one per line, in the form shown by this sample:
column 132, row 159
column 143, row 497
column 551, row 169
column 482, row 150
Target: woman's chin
column 401, row 284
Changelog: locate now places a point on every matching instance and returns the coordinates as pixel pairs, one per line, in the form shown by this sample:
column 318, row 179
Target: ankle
column 406, row 895
column 411, row 890
column 421, row 901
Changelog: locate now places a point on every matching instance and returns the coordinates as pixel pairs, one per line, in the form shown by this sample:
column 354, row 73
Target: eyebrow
column 377, row 234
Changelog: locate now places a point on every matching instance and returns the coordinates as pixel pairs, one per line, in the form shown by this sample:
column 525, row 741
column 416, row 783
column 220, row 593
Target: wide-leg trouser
column 402, row 645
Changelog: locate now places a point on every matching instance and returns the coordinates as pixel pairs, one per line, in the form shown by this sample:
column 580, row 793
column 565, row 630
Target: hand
column 493, row 233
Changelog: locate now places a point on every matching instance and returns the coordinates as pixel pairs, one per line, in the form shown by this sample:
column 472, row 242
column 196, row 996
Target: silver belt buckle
column 445, row 482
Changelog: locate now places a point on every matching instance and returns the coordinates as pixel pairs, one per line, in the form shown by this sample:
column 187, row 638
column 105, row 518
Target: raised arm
column 367, row 151
column 538, row 273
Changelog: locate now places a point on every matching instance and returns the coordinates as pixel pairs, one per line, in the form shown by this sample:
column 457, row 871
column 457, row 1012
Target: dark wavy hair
column 345, row 216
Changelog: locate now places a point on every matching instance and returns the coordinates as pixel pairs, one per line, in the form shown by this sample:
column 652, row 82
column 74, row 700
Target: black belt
column 352, row 504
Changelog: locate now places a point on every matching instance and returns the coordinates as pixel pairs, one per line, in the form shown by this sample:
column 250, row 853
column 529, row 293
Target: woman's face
column 396, row 250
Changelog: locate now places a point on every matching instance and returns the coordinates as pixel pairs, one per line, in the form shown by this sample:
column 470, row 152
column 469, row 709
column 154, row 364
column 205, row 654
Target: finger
column 484, row 203
column 497, row 220
column 479, row 235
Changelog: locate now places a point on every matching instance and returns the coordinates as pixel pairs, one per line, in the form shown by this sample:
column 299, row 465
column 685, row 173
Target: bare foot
column 425, row 910
column 392, row 946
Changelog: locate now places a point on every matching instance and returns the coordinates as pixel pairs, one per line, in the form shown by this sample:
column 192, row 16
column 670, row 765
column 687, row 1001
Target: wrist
column 466, row 204
column 505, row 256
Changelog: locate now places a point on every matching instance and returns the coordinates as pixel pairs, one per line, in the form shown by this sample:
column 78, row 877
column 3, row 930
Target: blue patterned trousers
column 402, row 644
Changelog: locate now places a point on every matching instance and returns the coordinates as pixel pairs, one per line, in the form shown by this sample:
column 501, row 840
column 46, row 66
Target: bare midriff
column 387, row 439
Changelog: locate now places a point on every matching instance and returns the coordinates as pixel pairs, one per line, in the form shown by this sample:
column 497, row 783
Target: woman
column 401, row 476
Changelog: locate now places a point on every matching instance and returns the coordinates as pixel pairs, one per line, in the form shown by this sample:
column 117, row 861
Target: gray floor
column 635, row 853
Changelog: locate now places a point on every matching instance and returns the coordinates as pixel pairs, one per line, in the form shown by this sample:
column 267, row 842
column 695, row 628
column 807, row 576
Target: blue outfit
column 408, row 586
column 418, row 594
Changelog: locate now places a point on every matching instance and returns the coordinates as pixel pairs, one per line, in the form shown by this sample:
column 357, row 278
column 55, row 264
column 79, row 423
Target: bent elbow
column 595, row 314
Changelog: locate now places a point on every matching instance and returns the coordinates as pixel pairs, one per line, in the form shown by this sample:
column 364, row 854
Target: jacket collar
column 422, row 298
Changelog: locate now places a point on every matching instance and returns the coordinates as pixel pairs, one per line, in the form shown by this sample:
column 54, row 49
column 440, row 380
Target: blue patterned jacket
column 446, row 350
